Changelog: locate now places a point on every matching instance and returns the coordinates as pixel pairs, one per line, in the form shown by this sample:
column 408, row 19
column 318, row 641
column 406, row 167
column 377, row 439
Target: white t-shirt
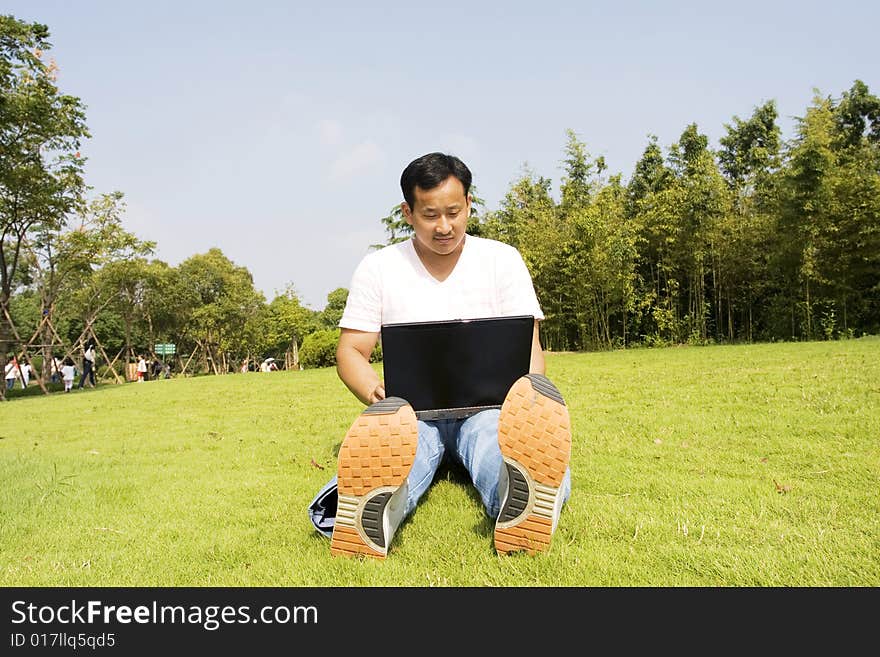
column 392, row 285
column 67, row 372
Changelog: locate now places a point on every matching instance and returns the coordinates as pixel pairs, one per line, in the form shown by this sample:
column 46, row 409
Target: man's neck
column 439, row 266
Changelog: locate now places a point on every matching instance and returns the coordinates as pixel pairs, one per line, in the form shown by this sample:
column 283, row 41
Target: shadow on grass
column 457, row 474
column 451, row 472
column 34, row 390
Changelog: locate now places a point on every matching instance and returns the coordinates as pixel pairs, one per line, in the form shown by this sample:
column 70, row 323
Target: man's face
column 439, row 216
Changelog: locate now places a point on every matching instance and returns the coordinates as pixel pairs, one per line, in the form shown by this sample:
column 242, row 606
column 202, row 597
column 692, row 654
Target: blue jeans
column 88, row 373
column 471, row 442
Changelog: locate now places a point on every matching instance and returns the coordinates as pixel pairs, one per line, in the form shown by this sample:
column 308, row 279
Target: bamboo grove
column 761, row 239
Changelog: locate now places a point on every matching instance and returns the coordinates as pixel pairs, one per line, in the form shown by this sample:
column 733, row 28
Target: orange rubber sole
column 534, row 434
column 374, row 461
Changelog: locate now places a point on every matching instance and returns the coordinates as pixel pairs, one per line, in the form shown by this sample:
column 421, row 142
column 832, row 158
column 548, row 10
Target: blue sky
column 277, row 131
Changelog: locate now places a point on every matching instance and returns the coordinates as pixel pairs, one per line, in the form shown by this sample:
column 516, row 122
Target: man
column 388, row 458
column 88, row 373
column 11, row 371
column 25, row 370
column 55, row 369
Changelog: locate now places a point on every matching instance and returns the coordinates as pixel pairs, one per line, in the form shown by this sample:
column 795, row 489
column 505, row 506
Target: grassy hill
column 753, row 465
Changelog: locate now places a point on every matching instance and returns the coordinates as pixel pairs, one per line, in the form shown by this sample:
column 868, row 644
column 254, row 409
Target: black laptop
column 453, row 369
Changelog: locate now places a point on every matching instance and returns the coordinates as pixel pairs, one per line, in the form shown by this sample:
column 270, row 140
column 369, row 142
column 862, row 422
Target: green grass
column 699, row 466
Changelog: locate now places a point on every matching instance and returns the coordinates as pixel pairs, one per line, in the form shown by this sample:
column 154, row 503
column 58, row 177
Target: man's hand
column 378, row 394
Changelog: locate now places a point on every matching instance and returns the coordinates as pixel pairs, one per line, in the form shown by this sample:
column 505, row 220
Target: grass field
column 754, row 465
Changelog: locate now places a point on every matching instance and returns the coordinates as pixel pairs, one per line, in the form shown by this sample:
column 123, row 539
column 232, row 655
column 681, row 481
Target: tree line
column 758, row 239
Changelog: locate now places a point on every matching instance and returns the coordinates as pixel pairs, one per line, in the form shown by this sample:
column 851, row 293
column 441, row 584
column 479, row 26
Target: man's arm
column 353, row 365
column 536, row 365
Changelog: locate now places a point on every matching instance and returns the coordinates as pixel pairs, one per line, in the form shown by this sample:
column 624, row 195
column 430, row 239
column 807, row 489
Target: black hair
column 68, row 361
column 430, row 171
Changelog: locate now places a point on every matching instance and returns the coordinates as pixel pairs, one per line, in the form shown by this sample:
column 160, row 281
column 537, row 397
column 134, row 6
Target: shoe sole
column 534, row 434
column 374, row 461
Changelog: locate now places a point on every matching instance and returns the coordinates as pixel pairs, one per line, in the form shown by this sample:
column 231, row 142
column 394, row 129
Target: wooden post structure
column 106, row 358
column 24, row 352
column 291, row 356
column 194, row 351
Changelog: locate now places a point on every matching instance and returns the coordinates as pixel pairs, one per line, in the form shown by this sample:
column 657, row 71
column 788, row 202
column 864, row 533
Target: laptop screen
column 455, row 368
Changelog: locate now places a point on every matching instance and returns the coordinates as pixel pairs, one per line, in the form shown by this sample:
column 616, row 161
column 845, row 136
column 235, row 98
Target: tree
column 40, row 164
column 282, row 323
column 526, row 201
column 545, row 234
column 703, row 202
column 749, row 158
column 857, row 117
column 599, row 265
column 164, row 302
column 319, row 348
column 221, row 300
column 530, row 221
column 650, row 176
column 805, row 216
column 650, row 215
column 852, row 253
column 127, row 282
column 61, row 259
column 829, row 217
column 750, row 149
column 578, row 184
column 332, row 312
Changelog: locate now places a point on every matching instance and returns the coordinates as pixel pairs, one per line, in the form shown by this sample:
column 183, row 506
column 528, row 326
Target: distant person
column 141, row 369
column 55, row 369
column 11, row 372
column 25, row 371
column 167, row 371
column 155, row 369
column 68, row 373
column 88, row 373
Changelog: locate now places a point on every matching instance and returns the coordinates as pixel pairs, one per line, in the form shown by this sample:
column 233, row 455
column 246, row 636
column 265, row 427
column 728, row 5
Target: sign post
column 165, row 349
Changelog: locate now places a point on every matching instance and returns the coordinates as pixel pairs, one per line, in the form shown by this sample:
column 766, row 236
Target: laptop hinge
column 453, row 413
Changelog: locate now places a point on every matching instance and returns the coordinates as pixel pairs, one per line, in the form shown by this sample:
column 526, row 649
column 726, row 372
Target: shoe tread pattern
column 534, row 430
column 378, row 451
column 346, row 541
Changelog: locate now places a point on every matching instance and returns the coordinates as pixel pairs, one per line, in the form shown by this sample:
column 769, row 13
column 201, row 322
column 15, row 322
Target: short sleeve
column 516, row 288
column 363, row 309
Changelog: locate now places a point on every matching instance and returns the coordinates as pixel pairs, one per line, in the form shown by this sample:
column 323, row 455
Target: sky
column 276, row 131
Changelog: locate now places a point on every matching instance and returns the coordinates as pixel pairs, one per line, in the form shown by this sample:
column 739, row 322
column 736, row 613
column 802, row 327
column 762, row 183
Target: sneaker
column 374, row 461
column 534, row 434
